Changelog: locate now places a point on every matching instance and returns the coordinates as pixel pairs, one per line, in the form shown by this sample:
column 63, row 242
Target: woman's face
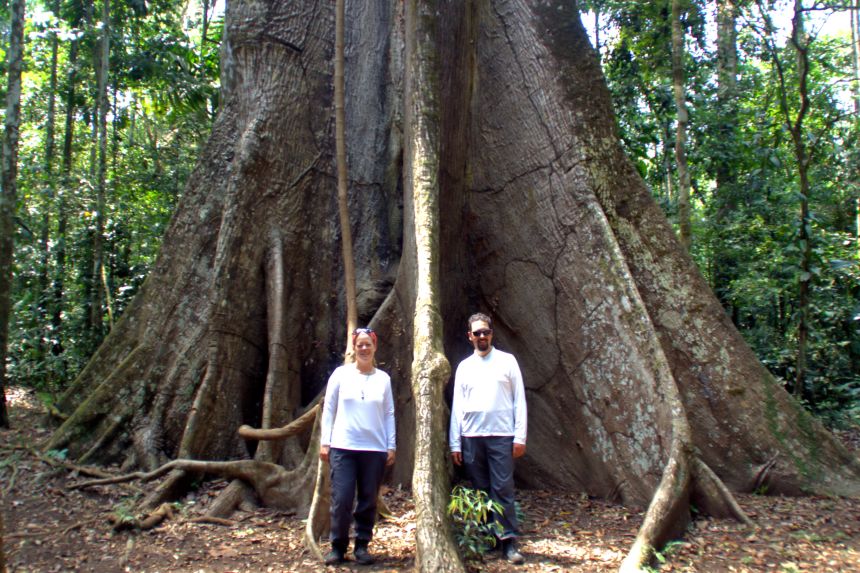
column 364, row 347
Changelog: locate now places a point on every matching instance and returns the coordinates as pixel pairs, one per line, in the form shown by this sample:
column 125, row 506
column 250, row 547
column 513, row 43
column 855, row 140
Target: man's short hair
column 480, row 316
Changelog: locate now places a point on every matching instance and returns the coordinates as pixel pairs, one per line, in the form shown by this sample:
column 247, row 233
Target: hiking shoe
column 511, row 553
column 362, row 555
column 334, row 557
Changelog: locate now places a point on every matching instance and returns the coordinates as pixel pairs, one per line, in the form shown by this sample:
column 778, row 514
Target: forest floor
column 49, row 527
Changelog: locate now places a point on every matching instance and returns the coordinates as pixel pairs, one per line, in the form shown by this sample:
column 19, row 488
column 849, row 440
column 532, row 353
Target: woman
column 358, row 441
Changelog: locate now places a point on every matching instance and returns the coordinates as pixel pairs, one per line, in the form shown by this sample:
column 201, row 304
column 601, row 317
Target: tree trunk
column 489, row 176
column 62, row 217
column 800, row 43
column 430, row 369
column 9, row 182
column 725, row 193
column 99, row 293
column 855, row 54
column 342, row 199
column 685, row 232
column 2, row 550
column 45, row 287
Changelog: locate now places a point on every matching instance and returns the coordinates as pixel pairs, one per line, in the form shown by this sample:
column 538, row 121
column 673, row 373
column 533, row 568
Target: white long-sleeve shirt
column 489, row 399
column 358, row 413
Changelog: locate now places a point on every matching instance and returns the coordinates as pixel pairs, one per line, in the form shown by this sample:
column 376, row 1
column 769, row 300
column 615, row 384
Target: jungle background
column 744, row 123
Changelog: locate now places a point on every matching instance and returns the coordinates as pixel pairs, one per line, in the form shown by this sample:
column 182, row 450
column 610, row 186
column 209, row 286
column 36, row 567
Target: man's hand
column 519, row 450
column 457, row 458
column 324, row 453
column 389, row 461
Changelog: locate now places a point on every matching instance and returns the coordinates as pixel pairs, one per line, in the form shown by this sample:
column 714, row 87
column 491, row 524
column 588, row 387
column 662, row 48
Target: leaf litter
column 50, row 528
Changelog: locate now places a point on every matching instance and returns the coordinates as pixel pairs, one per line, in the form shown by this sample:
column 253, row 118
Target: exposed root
column 297, row 426
column 98, row 403
column 168, row 490
column 229, row 499
column 115, row 426
column 165, row 511
column 214, row 521
column 668, row 512
column 318, row 516
column 686, row 477
column 713, row 496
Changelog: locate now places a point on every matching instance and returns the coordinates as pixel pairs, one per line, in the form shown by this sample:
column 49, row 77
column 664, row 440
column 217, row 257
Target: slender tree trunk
column 855, row 55
column 794, row 119
column 342, row 183
column 2, row 550
column 102, row 103
column 800, row 42
column 436, row 550
column 204, row 26
column 668, row 186
column 9, row 192
column 62, row 217
column 725, row 193
column 678, row 83
column 45, row 287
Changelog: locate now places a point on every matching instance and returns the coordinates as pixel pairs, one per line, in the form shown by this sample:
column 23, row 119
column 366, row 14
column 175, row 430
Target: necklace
column 367, row 376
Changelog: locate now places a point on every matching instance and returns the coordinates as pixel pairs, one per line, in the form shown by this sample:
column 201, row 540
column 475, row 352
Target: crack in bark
column 524, row 77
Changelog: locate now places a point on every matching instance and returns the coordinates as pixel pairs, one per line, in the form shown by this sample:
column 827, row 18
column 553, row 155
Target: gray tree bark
column 9, row 191
column 726, row 192
column 485, row 174
column 679, row 88
column 98, row 288
column 49, row 193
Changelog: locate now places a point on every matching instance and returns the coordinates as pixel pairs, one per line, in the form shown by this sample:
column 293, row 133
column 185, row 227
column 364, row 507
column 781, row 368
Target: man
column 488, row 424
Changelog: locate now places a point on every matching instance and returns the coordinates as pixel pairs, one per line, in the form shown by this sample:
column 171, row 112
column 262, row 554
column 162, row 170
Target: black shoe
column 509, row 550
column 334, row 556
column 362, row 555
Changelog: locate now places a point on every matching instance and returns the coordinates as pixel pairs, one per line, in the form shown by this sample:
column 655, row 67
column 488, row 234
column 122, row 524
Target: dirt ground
column 51, row 528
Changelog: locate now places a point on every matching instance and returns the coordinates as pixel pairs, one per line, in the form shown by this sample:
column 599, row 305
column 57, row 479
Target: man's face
column 481, row 336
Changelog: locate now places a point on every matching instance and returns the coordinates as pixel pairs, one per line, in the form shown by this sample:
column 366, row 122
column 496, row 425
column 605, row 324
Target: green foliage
column 123, row 512
column 474, row 529
column 163, row 90
column 745, row 186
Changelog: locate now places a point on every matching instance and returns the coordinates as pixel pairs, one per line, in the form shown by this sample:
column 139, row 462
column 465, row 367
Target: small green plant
column 60, row 455
column 123, row 513
column 474, row 529
column 663, row 556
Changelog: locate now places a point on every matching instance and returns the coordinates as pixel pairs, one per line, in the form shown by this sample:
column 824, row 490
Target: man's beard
column 483, row 344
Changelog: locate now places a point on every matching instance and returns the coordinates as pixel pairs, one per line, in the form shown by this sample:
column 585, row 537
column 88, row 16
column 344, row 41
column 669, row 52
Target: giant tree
column 485, row 173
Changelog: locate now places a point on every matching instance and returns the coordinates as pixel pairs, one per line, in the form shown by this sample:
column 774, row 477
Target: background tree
column 679, row 89
column 744, row 182
column 163, row 82
column 9, row 183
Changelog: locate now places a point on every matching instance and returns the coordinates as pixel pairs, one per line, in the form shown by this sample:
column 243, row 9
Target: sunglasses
column 358, row 331
column 482, row 332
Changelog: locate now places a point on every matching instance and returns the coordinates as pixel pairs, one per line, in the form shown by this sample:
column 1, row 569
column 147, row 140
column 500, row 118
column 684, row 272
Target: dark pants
column 354, row 472
column 489, row 463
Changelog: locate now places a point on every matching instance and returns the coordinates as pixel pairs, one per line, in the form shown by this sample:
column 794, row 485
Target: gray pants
column 489, row 463
column 354, row 472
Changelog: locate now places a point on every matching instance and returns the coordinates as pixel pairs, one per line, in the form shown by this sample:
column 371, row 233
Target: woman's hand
column 324, row 453
column 519, row 450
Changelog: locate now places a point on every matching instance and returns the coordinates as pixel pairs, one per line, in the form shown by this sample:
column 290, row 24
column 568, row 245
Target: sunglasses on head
column 482, row 332
column 358, row 331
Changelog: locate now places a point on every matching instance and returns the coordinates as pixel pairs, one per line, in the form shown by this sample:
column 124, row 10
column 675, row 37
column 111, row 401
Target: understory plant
column 475, row 530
